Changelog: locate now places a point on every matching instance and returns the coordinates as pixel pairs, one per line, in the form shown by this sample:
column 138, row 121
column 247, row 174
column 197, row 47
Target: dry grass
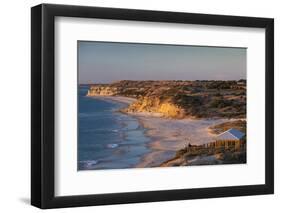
column 239, row 124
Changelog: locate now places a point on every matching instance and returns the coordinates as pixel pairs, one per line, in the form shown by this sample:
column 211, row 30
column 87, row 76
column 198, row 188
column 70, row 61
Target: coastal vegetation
column 217, row 152
column 180, row 99
column 224, row 100
column 200, row 155
column 236, row 124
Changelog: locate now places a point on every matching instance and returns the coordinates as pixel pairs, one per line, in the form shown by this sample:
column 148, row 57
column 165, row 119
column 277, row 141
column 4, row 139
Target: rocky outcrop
column 178, row 99
column 143, row 104
column 155, row 105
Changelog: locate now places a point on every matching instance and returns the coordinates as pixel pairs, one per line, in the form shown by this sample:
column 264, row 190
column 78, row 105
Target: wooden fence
column 224, row 144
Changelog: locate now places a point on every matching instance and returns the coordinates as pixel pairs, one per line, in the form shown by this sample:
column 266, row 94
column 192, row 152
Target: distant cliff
column 102, row 91
column 179, row 99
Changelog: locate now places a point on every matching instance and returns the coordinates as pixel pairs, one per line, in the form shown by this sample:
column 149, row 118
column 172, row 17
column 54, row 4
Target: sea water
column 107, row 138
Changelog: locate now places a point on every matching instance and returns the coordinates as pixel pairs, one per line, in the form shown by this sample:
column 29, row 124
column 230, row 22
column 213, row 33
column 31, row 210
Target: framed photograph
column 140, row 106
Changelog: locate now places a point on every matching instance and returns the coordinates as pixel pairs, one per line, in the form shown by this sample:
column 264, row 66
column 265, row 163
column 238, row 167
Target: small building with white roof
column 229, row 138
column 231, row 134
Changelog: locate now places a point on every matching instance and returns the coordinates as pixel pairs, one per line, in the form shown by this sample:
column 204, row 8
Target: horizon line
column 160, row 80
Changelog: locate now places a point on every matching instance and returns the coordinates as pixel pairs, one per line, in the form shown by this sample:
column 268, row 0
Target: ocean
column 108, row 139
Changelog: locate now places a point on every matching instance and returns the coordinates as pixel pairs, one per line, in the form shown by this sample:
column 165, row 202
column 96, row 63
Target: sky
column 106, row 62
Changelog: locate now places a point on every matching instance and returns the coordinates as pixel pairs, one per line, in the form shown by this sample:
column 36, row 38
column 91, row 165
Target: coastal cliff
column 102, row 91
column 143, row 104
column 155, row 105
column 214, row 102
column 180, row 99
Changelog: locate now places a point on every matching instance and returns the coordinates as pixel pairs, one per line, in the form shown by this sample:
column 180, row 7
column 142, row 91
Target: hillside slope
column 179, row 99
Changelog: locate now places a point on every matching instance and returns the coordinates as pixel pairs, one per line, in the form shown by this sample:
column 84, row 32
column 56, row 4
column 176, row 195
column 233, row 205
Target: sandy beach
column 168, row 135
column 121, row 99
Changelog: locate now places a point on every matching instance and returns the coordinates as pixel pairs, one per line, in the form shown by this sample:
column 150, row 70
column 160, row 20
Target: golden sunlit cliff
column 179, row 99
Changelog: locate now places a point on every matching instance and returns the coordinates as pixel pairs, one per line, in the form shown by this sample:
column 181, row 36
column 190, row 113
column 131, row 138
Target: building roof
column 231, row 134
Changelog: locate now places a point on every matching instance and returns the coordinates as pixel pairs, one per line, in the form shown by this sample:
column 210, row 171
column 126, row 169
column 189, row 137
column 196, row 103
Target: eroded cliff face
column 143, row 104
column 177, row 99
column 102, row 91
column 155, row 105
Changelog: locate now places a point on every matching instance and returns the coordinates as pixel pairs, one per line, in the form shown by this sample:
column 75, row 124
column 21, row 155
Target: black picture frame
column 43, row 110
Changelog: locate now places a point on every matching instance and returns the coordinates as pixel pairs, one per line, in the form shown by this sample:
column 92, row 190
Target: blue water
column 107, row 139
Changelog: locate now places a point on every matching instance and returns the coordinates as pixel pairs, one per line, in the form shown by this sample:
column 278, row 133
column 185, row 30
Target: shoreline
column 167, row 135
column 128, row 144
column 170, row 135
column 120, row 99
